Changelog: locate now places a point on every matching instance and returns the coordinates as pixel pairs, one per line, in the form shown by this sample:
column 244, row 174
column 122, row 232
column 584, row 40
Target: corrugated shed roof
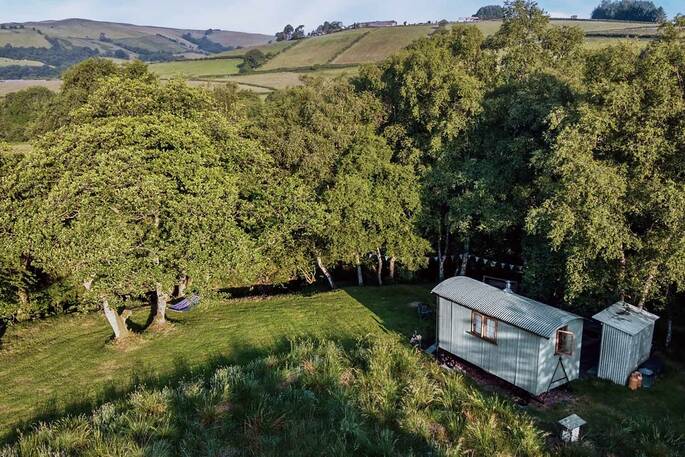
column 523, row 312
column 626, row 318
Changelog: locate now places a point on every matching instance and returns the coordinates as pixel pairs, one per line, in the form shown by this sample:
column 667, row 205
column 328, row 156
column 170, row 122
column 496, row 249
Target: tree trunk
column 464, row 259
column 669, row 321
column 325, row 271
column 360, row 273
column 182, row 284
column 391, row 268
column 162, row 298
column 23, row 312
column 441, row 264
column 379, row 268
column 622, row 278
column 647, row 287
column 116, row 321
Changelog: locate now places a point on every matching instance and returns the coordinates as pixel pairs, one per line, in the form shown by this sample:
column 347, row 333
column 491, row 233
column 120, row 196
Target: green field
column 196, row 68
column 284, row 79
column 66, row 363
column 23, row 38
column 4, row 62
column 268, row 49
column 315, row 51
column 381, row 43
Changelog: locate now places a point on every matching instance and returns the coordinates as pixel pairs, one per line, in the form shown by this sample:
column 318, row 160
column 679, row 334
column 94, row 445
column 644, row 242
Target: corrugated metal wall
column 618, row 355
column 514, row 357
column 549, row 361
column 645, row 343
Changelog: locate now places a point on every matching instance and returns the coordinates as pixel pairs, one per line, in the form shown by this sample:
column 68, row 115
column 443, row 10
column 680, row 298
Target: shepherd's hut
column 527, row 343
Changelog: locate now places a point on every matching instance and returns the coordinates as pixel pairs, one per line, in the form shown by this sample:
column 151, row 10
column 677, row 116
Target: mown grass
column 378, row 44
column 267, row 49
column 196, row 68
column 380, row 398
column 314, row 51
column 67, row 364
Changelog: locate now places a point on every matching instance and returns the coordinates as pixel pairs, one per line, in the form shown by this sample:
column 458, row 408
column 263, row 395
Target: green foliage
column 19, row 110
column 490, row 12
column 629, row 10
column 254, row 58
column 381, row 398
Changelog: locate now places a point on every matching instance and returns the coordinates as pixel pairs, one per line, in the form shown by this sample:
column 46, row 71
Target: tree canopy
column 629, row 10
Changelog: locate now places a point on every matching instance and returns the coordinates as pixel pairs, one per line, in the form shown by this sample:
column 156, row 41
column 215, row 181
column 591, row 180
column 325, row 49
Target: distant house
column 376, row 24
column 627, row 333
column 530, row 344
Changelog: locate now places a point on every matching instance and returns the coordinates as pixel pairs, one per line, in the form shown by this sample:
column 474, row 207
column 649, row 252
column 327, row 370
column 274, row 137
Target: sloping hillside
column 58, row 44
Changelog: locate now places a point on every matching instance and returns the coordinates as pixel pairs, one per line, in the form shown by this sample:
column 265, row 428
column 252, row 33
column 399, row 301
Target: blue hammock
column 186, row 304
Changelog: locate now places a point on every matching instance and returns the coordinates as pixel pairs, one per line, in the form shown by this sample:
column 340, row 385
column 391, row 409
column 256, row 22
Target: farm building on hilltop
column 527, row 343
column 626, row 340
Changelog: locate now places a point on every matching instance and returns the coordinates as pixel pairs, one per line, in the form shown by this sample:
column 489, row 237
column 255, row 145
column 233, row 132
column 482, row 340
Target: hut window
column 483, row 326
column 565, row 341
column 476, row 323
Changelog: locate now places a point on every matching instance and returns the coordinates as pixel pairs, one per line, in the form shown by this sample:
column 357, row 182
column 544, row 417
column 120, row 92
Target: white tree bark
column 325, row 271
column 162, row 298
column 116, row 321
column 360, row 273
column 182, row 284
column 646, row 289
column 391, row 268
column 464, row 259
column 379, row 268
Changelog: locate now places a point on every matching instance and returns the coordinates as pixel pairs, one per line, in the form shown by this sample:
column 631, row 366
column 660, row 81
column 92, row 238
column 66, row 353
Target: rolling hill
column 213, row 56
column 58, row 44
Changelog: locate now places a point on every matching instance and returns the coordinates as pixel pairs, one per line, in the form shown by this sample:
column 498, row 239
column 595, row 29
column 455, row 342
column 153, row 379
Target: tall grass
column 379, row 399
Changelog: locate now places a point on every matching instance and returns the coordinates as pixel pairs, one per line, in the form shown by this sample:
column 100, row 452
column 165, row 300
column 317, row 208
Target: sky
column 268, row 16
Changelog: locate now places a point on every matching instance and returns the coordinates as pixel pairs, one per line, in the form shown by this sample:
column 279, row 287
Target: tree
column 322, row 142
column 252, row 59
column 490, row 12
column 19, row 110
column 629, row 10
column 286, row 34
column 142, row 192
column 616, row 205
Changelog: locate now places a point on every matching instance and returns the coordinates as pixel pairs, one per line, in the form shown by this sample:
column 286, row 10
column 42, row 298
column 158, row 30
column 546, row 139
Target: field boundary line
column 346, row 48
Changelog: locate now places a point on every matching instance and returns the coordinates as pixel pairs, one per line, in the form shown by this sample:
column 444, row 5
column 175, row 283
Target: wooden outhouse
column 527, row 343
column 626, row 340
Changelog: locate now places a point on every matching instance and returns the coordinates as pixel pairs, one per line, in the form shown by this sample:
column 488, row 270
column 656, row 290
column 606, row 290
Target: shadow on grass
column 144, row 377
column 268, row 414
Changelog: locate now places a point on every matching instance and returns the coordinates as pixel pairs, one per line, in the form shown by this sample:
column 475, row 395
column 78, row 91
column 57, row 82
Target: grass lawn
column 66, row 364
column 196, row 68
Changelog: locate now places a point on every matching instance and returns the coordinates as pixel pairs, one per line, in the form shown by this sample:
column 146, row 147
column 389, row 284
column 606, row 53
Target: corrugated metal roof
column 508, row 307
column 626, row 318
